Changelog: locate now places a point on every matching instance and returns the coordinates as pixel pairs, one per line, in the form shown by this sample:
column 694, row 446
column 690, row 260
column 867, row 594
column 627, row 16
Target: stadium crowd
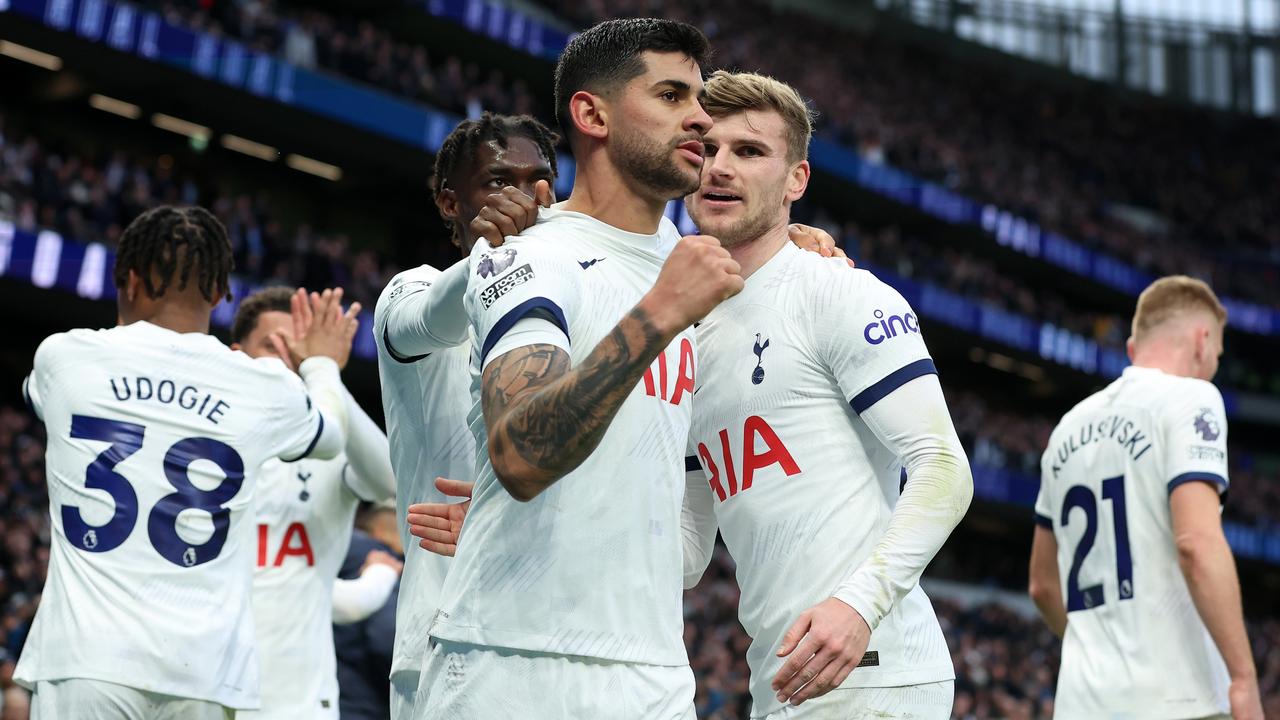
column 90, row 194
column 1070, row 166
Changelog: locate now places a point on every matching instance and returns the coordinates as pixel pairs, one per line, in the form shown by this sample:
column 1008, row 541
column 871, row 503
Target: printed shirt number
column 162, row 524
column 1080, row 496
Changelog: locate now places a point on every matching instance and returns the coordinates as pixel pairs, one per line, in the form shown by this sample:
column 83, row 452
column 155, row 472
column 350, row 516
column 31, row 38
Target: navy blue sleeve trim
column 1208, row 477
column 893, row 381
column 514, row 315
column 26, row 397
column 1044, row 522
column 314, row 440
column 691, row 464
column 406, row 359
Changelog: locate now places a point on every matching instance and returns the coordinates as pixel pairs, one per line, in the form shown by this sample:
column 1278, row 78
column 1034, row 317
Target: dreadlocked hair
column 461, row 144
column 170, row 245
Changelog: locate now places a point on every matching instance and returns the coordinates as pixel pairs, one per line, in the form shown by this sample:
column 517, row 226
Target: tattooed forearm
column 545, row 419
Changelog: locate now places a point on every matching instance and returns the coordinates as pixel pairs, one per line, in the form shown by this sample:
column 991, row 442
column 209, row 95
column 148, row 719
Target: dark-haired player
column 156, row 431
column 302, row 515
column 421, row 333
column 564, row 599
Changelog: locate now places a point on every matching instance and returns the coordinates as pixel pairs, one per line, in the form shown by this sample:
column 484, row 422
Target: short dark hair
column 167, row 244
column 272, row 299
column 461, row 144
column 607, row 55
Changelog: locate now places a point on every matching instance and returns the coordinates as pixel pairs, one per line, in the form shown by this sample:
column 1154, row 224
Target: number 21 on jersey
column 1082, row 497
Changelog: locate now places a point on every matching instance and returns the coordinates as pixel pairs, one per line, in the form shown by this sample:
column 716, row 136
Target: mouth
column 692, row 151
column 720, row 198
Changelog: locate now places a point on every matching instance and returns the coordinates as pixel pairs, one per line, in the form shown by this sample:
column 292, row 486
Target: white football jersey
column 425, row 399
column 155, row 440
column 303, row 514
column 592, row 566
column 802, row 489
column 1135, row 645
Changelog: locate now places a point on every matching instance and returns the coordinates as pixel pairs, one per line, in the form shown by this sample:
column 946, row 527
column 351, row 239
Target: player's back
column 154, row 439
column 1135, row 646
column 592, row 566
column 425, row 399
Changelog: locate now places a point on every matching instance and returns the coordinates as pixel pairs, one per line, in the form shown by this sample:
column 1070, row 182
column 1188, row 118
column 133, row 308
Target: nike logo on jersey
column 588, row 263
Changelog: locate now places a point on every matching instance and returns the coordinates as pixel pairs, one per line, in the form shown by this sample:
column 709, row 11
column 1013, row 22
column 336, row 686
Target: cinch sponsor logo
column 893, row 326
column 504, row 285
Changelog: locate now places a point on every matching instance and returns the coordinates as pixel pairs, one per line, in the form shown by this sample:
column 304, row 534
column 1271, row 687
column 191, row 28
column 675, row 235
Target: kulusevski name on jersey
column 592, row 566
column 1107, row 504
column 141, row 388
column 1118, row 428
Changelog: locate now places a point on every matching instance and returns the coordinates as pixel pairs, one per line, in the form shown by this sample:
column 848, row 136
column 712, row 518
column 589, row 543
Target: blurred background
column 1019, row 170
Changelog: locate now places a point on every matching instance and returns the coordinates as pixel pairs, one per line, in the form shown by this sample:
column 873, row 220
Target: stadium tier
column 1020, row 213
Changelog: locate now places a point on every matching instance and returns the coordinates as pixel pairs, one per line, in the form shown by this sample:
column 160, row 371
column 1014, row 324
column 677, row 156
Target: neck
column 754, row 253
column 600, row 191
column 169, row 317
column 1180, row 364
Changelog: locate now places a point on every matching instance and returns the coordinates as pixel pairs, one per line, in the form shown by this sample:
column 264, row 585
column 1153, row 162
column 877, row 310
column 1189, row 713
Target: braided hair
column 176, row 245
column 461, row 144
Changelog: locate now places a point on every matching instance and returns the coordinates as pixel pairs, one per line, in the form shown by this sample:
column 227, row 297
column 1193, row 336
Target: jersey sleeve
column 421, row 311
column 33, row 386
column 522, row 280
column 869, row 337
column 1044, row 512
column 301, row 429
column 1194, row 423
column 697, row 519
column 368, row 473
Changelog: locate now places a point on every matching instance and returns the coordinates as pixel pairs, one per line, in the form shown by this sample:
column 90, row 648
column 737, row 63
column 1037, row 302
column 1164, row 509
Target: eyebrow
column 675, row 85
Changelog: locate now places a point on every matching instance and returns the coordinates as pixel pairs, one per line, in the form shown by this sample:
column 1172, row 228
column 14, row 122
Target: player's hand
column 698, row 275
column 510, row 212
column 1246, row 701
column 815, row 239
column 320, row 327
column 439, row 524
column 380, row 557
column 825, row 644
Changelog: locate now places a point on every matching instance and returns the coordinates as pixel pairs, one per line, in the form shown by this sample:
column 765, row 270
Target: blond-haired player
column 1129, row 563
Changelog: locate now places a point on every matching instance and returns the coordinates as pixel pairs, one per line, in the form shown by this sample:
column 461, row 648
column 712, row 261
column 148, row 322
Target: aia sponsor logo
column 759, row 448
column 659, row 382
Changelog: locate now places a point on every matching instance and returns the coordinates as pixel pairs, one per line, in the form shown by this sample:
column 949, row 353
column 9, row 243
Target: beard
column 731, row 233
column 650, row 164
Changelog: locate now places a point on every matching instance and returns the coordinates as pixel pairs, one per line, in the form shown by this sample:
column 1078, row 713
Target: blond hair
column 1171, row 296
column 733, row 92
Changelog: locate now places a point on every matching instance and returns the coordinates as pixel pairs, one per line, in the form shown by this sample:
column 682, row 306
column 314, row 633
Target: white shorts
column 930, row 701
column 404, row 694
column 80, row 699
column 472, row 682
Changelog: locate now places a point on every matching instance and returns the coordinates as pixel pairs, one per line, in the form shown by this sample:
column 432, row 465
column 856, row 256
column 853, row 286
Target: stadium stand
column 1039, row 150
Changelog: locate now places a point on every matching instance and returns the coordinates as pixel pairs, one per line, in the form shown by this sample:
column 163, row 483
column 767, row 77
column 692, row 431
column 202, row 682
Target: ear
column 133, row 287
column 589, row 115
column 447, row 204
column 1201, row 343
column 236, row 346
column 799, row 181
column 1129, row 347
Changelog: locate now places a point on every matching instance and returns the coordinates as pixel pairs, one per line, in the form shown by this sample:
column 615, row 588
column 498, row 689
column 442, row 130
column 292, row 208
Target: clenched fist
column 698, row 275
